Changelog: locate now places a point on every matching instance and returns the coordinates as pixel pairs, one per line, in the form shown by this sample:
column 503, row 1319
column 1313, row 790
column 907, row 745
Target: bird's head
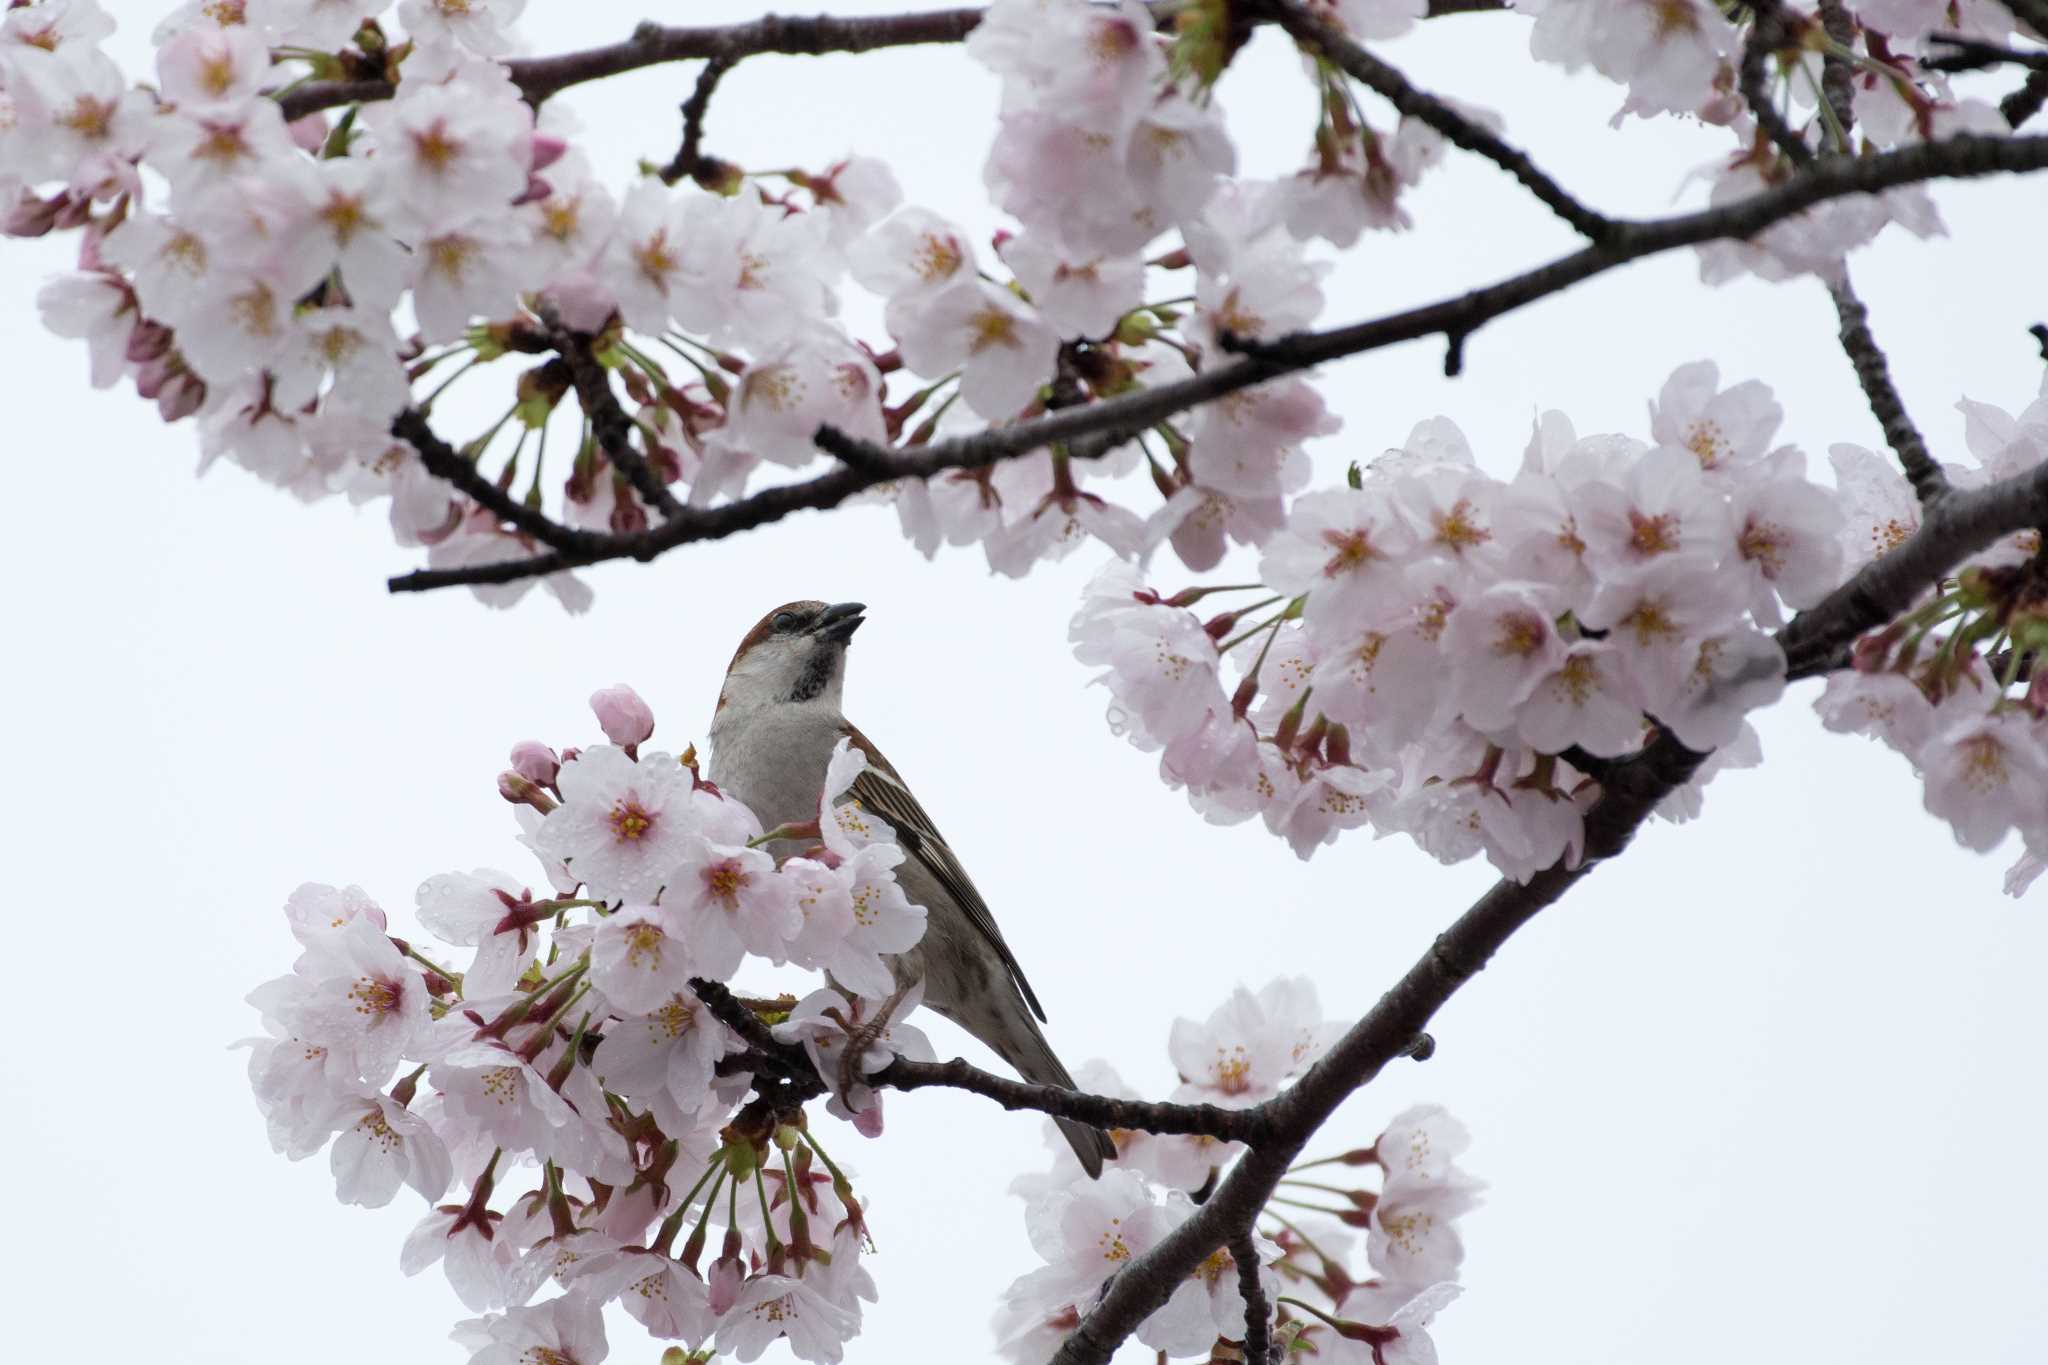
column 794, row 655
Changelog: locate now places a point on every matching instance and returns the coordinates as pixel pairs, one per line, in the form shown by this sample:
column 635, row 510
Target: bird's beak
column 839, row 621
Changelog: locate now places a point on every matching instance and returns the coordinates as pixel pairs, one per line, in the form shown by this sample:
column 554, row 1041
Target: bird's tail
column 1026, row 1050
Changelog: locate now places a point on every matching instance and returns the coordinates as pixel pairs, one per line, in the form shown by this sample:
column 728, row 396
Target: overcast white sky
column 1767, row 1086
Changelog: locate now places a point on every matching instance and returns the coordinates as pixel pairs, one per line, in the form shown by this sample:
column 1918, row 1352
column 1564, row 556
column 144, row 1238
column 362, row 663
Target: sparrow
column 777, row 723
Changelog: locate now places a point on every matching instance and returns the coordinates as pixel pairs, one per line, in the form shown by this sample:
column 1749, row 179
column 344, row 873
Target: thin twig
column 446, row 463
column 1769, row 32
column 1100, row 1111
column 1837, row 70
column 655, row 44
column 1874, row 374
column 1974, row 54
column 1101, row 425
column 1368, row 70
column 614, row 430
column 1258, row 1314
column 2025, row 102
column 689, row 161
column 786, row 1059
column 1952, row 529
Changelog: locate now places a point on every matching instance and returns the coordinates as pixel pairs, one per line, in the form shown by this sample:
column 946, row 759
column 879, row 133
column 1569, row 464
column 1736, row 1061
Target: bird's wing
column 881, row 790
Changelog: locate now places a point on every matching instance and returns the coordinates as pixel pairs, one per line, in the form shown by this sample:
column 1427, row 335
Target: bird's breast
column 774, row 762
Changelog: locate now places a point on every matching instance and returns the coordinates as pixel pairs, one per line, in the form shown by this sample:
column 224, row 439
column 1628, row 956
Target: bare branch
column 1874, row 374
column 1838, row 72
column 1368, row 70
column 655, row 44
column 1951, row 530
column 735, row 1014
column 1100, row 1111
column 1458, row 954
column 1103, row 424
column 689, row 161
column 2025, row 102
column 1974, row 54
column 1771, row 32
column 608, row 420
column 792, row 1065
column 444, row 462
column 1258, row 1314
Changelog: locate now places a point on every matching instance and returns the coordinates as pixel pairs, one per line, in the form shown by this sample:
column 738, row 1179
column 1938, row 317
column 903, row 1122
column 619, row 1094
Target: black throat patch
column 816, row 676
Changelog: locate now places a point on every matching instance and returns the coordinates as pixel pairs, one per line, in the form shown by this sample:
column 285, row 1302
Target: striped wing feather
column 879, row 789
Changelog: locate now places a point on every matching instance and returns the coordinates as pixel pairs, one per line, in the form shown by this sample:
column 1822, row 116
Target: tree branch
column 1874, row 374
column 1838, row 72
column 1101, row 1111
column 1770, row 33
column 1955, row 527
column 1311, row 31
column 792, row 1064
column 653, row 44
column 689, row 161
column 446, row 463
column 868, row 466
column 1951, row 530
column 1458, row 954
column 2025, row 102
column 1258, row 1314
column 1974, row 54
column 614, row 430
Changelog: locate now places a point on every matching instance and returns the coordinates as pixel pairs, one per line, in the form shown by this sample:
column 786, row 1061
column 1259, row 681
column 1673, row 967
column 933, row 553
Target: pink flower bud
column 181, row 397
column 74, row 211
column 535, row 762
column 625, row 718
column 522, row 792
column 868, row 1122
column 546, row 151
column 309, row 134
column 30, row 216
column 148, row 342
column 728, row 1274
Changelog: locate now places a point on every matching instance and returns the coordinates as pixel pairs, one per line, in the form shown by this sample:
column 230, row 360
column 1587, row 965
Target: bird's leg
column 859, row 1040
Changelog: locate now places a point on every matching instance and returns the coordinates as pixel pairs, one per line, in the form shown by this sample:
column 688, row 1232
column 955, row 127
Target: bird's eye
column 783, row 620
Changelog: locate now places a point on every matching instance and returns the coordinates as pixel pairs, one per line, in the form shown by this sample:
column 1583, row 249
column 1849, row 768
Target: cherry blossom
column 488, row 909
column 353, row 991
column 623, row 825
column 563, row 1331
column 381, row 1146
column 725, row 901
column 1000, row 345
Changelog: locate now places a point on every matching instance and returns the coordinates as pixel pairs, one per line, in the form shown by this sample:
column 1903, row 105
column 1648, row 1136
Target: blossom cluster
column 577, row 1088
column 1683, row 57
column 572, row 1078
column 1448, row 654
column 293, row 287
column 1243, row 1054
column 1955, row 684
